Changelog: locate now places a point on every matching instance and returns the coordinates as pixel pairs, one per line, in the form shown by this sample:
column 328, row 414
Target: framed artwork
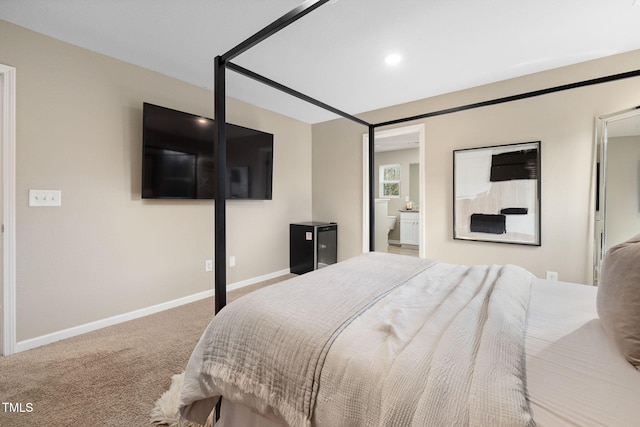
column 497, row 194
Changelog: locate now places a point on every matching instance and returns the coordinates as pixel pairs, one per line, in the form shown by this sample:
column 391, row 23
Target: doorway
column 387, row 141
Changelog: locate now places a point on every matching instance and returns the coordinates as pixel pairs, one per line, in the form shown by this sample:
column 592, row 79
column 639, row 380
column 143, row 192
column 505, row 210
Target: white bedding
column 436, row 344
column 268, row 350
column 575, row 376
column 442, row 350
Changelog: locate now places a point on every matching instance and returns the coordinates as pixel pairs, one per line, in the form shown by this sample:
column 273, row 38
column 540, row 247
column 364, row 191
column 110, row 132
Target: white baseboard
column 136, row 314
column 254, row 280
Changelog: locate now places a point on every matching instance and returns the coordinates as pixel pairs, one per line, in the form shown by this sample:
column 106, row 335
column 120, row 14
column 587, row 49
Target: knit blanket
column 445, row 349
column 277, row 350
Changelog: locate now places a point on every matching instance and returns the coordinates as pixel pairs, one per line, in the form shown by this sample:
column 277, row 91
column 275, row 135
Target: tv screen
column 177, row 158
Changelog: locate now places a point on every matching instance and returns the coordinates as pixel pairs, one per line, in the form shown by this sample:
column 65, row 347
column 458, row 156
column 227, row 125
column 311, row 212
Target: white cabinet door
column 409, row 228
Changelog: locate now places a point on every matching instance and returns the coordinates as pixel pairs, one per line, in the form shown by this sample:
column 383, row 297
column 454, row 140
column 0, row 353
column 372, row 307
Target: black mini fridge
column 312, row 245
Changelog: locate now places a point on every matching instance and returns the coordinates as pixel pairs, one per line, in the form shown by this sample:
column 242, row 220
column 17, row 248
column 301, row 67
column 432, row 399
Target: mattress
column 575, row 375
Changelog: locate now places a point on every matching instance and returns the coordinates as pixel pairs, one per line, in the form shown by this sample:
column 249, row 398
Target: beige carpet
column 110, row 377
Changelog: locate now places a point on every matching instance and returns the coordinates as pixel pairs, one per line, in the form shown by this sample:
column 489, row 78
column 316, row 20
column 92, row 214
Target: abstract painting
column 497, row 194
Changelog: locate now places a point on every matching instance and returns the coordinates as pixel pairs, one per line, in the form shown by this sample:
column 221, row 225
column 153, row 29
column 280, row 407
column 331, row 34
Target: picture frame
column 496, row 194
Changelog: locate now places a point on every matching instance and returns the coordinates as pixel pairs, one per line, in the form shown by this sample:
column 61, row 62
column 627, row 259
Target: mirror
column 617, row 216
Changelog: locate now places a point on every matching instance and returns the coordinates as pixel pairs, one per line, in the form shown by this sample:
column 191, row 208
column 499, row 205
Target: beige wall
column 106, row 251
column 563, row 121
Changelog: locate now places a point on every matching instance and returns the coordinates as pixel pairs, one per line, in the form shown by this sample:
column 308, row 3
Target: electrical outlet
column 552, row 275
column 232, row 261
column 208, row 265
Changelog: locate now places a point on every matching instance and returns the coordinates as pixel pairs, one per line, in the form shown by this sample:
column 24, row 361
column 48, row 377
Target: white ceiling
column 405, row 141
column 336, row 53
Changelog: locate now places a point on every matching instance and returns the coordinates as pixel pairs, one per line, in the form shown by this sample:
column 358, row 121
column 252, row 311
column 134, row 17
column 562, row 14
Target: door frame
column 419, row 129
column 8, row 150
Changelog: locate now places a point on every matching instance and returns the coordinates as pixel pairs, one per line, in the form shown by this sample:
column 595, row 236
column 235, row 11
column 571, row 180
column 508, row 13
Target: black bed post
column 220, row 147
column 372, row 190
column 220, row 159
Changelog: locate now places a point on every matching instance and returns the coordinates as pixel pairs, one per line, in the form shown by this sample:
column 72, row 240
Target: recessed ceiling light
column 393, row 59
column 203, row 120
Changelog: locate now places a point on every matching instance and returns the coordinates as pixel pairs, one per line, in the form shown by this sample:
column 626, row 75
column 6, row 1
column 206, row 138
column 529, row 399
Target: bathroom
column 397, row 195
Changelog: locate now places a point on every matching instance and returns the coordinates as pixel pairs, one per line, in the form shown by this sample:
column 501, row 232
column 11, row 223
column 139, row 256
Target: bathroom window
column 389, row 181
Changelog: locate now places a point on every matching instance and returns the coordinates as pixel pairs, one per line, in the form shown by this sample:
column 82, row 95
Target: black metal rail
column 512, row 98
column 255, row 76
column 277, row 25
column 222, row 63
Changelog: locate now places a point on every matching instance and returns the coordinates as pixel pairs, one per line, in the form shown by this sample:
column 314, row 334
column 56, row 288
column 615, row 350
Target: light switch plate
column 45, row 198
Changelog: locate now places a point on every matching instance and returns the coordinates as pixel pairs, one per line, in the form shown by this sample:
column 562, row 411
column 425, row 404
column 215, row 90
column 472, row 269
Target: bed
column 353, row 344
column 384, row 339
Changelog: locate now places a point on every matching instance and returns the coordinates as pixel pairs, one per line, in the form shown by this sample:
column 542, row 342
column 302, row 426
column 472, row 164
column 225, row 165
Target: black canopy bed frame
column 223, row 62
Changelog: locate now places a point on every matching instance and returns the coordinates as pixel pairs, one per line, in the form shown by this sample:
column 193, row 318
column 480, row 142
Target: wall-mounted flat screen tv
column 177, row 158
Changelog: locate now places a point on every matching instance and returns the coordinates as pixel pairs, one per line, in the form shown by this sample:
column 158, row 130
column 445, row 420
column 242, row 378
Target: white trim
column 8, row 142
column 253, row 281
column 365, row 193
column 136, row 314
column 419, row 129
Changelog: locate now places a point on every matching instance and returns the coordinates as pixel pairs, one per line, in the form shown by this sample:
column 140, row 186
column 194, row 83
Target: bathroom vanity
column 409, row 227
